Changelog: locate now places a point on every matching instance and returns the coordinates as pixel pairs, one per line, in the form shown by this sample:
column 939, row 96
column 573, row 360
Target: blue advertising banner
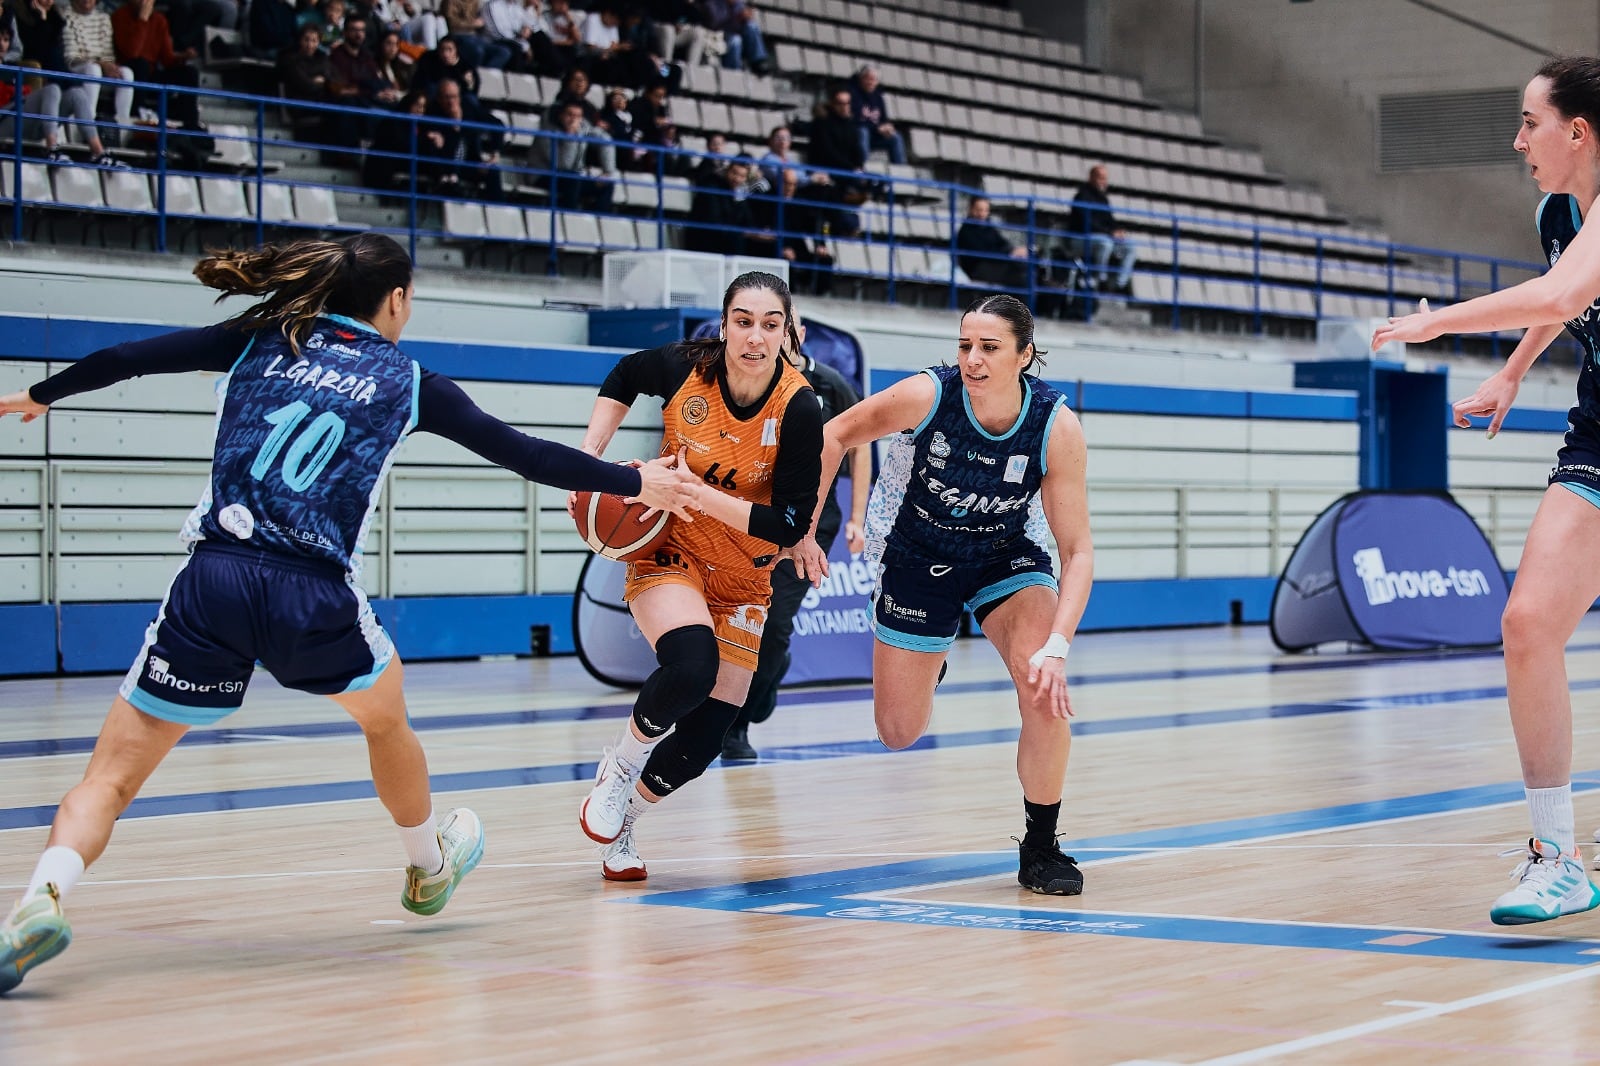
column 833, row 629
column 1395, row 570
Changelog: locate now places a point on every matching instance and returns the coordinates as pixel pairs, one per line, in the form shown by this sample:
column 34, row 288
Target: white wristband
column 1054, row 648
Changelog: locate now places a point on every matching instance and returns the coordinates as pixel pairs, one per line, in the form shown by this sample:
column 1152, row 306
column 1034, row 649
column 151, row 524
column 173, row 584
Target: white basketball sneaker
column 606, row 806
column 620, row 861
column 1550, row 885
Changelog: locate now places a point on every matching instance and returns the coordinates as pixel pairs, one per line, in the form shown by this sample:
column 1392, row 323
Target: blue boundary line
column 22, row 749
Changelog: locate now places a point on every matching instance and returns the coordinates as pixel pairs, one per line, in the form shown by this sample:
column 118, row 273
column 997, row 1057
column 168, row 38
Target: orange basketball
column 612, row 528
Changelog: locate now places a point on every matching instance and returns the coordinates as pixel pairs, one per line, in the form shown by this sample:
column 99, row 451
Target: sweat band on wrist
column 1054, row 648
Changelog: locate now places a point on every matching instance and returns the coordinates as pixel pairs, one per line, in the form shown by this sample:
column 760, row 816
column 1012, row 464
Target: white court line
column 1379, row 1025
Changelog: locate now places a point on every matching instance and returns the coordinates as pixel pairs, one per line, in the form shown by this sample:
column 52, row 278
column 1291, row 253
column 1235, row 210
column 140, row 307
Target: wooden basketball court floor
column 1288, row 859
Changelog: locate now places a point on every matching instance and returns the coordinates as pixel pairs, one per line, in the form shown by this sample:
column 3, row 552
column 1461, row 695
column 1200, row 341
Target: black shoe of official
column 1047, row 871
column 736, row 745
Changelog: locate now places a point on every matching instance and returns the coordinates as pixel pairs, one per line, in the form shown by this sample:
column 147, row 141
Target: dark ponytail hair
column 1575, row 87
column 303, row 280
column 708, row 355
column 1016, row 315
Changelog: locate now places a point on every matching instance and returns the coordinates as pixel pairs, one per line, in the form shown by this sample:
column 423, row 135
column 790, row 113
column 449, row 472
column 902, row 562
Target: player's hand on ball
column 20, row 403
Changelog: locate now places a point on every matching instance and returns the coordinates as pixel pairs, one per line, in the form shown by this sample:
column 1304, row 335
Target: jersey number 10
column 311, row 451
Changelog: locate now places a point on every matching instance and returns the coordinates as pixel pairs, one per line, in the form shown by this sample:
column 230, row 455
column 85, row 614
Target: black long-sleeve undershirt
column 442, row 407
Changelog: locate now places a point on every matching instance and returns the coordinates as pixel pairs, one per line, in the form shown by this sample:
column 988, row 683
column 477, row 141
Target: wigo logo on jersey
column 1383, row 585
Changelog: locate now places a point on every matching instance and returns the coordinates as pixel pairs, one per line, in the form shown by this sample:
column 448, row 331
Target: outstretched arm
column 1066, row 509
column 211, row 348
column 444, row 409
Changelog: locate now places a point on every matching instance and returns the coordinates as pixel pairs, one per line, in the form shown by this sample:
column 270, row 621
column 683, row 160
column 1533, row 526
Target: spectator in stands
column 681, row 31
column 562, row 30
column 573, row 160
column 652, row 117
column 419, row 24
column 91, row 50
column 512, row 22
column 46, row 100
column 443, row 62
column 836, row 145
column 871, row 113
column 616, row 119
column 467, row 155
column 328, row 17
column 40, row 28
column 708, row 169
column 395, row 68
column 273, row 28
column 353, row 70
column 387, row 165
column 144, row 43
column 613, row 59
column 798, row 225
column 467, row 26
column 992, row 259
column 725, row 220
column 190, row 19
column 780, row 157
column 305, row 71
column 736, row 21
column 574, row 90
column 1093, row 223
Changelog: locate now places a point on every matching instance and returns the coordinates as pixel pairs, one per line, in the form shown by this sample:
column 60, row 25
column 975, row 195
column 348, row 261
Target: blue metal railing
column 1250, row 271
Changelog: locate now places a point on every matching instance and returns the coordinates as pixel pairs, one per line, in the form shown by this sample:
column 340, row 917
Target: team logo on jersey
column 237, row 519
column 769, row 433
column 1555, row 252
column 752, row 618
column 695, row 410
column 1016, row 466
column 939, row 569
column 939, row 446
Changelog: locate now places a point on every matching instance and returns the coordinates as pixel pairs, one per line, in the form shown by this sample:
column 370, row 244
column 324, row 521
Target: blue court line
column 23, row 749
column 513, row 777
column 857, row 895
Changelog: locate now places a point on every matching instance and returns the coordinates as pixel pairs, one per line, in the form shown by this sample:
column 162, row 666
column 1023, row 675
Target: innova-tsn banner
column 1395, row 570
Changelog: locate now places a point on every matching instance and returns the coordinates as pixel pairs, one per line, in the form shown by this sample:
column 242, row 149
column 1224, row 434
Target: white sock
column 1551, row 810
column 422, row 845
column 637, row 805
column 632, row 751
column 58, row 866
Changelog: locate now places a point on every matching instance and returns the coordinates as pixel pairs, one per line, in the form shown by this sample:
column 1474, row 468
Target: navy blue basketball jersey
column 951, row 492
column 1558, row 224
column 304, row 442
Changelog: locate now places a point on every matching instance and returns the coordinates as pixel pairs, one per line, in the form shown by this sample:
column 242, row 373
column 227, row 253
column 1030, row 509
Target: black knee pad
column 686, row 676
column 693, row 746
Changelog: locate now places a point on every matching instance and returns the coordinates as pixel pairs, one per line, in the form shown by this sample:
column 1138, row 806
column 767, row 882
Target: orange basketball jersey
column 737, row 455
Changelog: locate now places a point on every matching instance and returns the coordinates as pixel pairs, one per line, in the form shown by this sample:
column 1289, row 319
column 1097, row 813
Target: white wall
column 1301, row 81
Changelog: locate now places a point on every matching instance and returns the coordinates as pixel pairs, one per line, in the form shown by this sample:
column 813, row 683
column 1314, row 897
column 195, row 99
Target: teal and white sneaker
column 35, row 931
column 1550, row 885
column 461, row 840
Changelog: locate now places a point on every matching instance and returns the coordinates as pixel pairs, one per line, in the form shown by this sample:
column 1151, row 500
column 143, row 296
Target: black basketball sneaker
column 1047, row 871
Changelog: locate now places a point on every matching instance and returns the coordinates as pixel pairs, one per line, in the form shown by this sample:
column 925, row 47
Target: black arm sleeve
column 652, row 372
column 212, row 348
column 795, row 476
column 443, row 408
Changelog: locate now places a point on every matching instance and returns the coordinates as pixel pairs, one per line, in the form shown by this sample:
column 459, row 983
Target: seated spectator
column 510, row 23
column 465, row 155
column 418, row 22
column 681, row 31
column 1093, row 222
column 780, row 157
column 46, row 99
column 395, row 69
column 574, row 90
column 387, row 165
column 353, row 70
column 444, row 62
column 478, row 49
column 562, row 29
column 992, row 258
column 836, row 145
column 273, row 25
column 798, row 225
column 91, row 50
column 328, row 17
column 725, row 221
column 616, row 119
column 709, row 168
column 583, row 171
column 306, row 70
column 613, row 59
column 144, row 44
column 652, row 118
column 871, row 114
column 736, row 21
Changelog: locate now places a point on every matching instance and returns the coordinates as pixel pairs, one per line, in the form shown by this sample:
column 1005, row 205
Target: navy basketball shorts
column 1578, row 469
column 918, row 606
column 229, row 608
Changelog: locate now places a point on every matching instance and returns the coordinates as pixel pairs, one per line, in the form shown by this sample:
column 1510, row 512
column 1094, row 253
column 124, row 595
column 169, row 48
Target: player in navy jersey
column 317, row 398
column 987, row 464
column 1560, row 137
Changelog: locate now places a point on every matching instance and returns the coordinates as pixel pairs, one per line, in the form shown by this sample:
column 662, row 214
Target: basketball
column 612, row 528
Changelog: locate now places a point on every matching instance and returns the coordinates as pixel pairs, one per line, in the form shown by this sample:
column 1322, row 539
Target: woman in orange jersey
column 745, row 421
